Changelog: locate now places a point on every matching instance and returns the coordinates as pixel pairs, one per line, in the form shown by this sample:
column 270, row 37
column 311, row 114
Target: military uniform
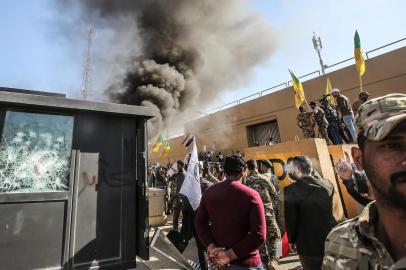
column 275, row 197
column 354, row 245
column 265, row 188
column 306, row 123
column 322, row 123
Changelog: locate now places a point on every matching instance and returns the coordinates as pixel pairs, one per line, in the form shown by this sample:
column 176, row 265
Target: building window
column 35, row 152
column 264, row 134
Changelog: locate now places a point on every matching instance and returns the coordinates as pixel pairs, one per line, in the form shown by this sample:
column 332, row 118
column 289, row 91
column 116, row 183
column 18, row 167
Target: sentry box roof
column 58, row 101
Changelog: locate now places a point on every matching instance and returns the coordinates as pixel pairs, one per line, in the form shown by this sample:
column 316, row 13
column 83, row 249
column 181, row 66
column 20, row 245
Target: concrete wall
column 227, row 129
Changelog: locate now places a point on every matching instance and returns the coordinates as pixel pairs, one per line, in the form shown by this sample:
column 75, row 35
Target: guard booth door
column 109, row 218
column 72, row 190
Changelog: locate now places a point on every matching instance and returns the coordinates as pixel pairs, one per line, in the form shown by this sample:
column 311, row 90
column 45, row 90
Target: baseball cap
column 379, row 116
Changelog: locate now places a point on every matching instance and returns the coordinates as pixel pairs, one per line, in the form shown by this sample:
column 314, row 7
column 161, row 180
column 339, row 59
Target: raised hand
column 344, row 168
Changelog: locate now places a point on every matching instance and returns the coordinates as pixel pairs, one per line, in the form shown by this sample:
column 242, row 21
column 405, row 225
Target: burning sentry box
column 73, row 191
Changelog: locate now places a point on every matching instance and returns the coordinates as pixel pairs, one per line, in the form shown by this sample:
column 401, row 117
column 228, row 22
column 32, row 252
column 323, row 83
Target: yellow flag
column 330, row 98
column 167, row 149
column 298, row 88
column 157, row 144
column 359, row 59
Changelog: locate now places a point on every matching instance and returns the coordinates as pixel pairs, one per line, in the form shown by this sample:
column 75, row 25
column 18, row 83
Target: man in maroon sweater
column 231, row 221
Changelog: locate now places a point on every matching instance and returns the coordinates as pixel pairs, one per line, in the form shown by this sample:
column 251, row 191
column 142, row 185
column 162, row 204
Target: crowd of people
column 238, row 224
column 334, row 117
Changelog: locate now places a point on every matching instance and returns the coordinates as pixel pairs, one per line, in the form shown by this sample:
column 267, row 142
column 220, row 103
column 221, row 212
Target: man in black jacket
column 308, row 213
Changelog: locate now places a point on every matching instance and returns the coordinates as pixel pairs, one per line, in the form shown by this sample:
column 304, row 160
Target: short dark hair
column 251, row 164
column 301, row 108
column 233, row 165
column 312, row 103
column 181, row 162
column 303, row 163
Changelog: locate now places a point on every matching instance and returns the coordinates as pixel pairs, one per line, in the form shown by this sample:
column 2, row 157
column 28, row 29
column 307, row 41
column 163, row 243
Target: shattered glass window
column 35, row 152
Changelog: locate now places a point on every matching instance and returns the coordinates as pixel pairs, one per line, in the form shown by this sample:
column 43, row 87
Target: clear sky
column 34, row 54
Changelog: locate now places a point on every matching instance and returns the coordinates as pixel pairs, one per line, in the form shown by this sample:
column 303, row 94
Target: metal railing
column 288, row 83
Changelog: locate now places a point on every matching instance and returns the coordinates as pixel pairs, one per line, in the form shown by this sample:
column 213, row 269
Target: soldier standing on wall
column 306, row 123
column 267, row 191
column 333, row 128
column 321, row 120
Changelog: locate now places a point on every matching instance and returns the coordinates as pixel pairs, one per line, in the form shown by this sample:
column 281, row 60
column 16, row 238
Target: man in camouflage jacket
column 265, row 168
column 306, row 122
column 376, row 239
column 321, row 120
column 265, row 188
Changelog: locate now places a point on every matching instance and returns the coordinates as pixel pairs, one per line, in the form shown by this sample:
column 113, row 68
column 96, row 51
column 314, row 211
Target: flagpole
column 304, row 97
column 360, row 81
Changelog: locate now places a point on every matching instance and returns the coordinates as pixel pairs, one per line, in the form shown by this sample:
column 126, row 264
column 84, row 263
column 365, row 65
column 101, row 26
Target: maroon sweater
column 231, row 215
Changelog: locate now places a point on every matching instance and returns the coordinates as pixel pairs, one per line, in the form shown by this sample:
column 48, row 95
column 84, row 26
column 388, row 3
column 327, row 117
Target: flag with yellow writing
column 298, row 88
column 359, row 59
column 330, row 98
column 167, row 149
column 157, row 144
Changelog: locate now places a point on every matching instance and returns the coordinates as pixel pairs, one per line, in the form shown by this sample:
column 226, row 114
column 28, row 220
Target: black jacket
column 309, row 214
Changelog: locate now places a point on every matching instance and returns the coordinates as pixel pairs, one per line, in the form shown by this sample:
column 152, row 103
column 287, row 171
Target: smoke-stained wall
column 385, row 74
column 187, row 51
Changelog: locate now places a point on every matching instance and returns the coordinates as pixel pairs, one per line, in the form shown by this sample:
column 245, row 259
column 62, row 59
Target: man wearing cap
column 345, row 110
column 362, row 98
column 376, row 239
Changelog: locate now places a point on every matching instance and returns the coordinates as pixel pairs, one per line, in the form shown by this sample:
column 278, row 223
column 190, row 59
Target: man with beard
column 376, row 239
column 308, row 212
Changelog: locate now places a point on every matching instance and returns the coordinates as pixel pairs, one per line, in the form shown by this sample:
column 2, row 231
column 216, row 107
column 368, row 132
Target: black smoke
column 190, row 51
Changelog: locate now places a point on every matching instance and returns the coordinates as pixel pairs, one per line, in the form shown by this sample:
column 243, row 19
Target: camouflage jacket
column 265, row 188
column 354, row 245
column 305, row 121
column 275, row 196
column 320, row 118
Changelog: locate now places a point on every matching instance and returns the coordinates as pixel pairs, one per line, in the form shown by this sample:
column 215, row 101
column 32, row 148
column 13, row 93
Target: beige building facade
column 232, row 129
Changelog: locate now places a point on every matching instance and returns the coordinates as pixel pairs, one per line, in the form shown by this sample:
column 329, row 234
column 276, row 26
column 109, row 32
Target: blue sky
column 34, row 54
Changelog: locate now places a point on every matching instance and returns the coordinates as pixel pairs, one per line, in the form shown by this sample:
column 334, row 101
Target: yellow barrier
column 316, row 150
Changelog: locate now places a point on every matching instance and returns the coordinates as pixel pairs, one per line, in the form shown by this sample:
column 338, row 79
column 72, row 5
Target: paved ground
column 158, row 261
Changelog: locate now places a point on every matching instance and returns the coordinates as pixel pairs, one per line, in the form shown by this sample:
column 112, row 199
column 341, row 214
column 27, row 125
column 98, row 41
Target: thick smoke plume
column 191, row 50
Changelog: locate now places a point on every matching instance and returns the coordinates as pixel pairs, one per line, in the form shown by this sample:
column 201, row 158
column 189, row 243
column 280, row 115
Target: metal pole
column 318, row 46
